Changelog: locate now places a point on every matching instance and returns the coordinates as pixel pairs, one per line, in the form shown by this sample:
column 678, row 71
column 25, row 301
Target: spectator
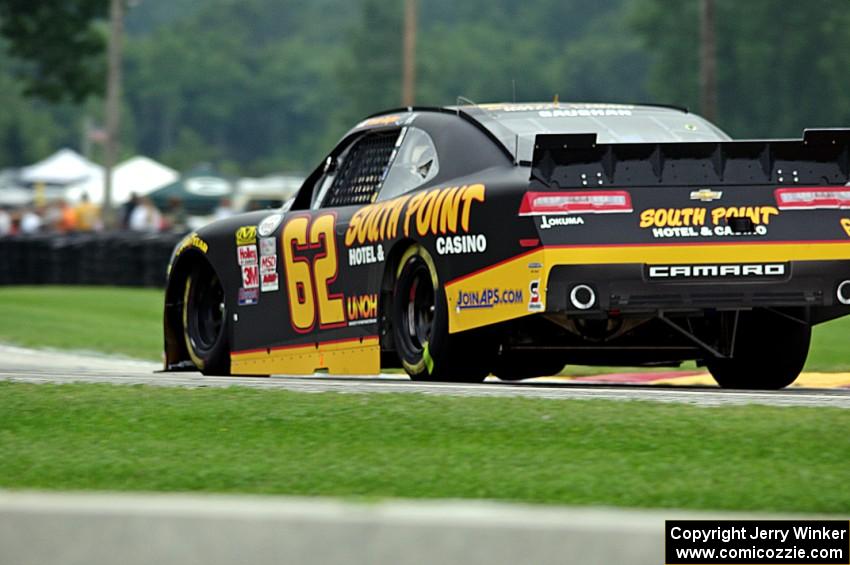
column 5, row 222
column 88, row 215
column 127, row 210
column 224, row 209
column 145, row 217
column 175, row 216
column 30, row 221
column 68, row 221
column 51, row 217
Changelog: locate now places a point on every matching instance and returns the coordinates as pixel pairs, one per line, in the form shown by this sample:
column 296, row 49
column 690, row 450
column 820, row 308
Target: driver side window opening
column 356, row 175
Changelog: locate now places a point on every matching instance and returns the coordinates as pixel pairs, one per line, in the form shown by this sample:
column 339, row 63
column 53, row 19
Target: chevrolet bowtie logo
column 706, row 195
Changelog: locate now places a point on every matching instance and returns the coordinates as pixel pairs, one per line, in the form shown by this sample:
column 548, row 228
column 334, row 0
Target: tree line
column 257, row 86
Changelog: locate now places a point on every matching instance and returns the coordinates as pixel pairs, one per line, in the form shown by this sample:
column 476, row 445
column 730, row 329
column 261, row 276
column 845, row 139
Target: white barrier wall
column 160, row 529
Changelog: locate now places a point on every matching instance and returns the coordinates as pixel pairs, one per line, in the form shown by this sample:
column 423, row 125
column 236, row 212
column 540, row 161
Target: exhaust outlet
column 843, row 292
column 582, row 297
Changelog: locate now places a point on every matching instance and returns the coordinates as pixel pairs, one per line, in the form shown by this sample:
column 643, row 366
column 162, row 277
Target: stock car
column 513, row 239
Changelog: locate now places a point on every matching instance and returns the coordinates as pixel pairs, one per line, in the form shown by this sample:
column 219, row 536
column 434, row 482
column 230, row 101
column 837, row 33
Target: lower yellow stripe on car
column 357, row 356
column 698, row 253
column 523, row 271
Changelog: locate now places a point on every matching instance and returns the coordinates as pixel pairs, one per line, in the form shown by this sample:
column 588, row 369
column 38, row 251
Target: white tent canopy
column 62, row 168
column 139, row 175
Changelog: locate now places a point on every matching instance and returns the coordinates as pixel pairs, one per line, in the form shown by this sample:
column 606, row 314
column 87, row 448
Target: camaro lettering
column 461, row 244
column 716, row 271
column 488, row 298
column 437, row 212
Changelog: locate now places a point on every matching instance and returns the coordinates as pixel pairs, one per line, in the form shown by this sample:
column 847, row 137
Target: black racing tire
column 421, row 330
column 770, row 352
column 205, row 321
column 515, row 366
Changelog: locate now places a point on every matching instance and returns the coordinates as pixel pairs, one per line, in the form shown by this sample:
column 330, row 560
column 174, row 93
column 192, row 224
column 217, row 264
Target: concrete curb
column 96, row 529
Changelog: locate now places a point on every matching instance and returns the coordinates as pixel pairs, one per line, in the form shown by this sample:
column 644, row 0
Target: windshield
column 516, row 125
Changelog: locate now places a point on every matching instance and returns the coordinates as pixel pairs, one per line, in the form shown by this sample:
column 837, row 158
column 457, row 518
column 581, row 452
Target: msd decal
column 268, row 273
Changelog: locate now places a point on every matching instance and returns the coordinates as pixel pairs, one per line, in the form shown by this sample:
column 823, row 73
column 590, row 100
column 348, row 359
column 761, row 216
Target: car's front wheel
column 770, row 351
column 420, row 326
column 205, row 321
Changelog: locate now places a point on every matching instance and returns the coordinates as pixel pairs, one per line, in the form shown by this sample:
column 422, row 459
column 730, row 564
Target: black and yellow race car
column 516, row 238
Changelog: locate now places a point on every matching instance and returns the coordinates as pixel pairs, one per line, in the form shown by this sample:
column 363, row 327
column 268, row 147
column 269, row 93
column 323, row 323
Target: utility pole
column 708, row 61
column 113, row 106
column 408, row 81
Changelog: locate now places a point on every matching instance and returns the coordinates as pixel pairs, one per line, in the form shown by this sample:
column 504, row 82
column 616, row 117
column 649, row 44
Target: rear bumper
column 635, row 288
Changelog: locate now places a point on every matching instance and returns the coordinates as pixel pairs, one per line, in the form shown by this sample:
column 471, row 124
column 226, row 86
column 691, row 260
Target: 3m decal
column 248, row 296
column 535, row 304
column 250, row 276
column 547, row 222
column 362, row 309
column 845, row 223
column 438, row 212
column 246, row 235
column 246, row 255
column 488, row 298
column 307, row 281
column 365, row 255
column 458, row 244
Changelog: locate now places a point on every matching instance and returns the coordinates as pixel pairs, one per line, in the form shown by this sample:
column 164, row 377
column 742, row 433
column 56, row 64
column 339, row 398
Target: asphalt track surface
column 37, row 366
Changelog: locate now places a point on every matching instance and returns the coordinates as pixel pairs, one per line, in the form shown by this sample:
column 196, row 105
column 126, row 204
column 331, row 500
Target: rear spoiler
column 821, row 157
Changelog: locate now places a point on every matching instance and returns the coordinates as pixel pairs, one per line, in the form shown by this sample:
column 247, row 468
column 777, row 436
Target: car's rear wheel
column 205, row 321
column 420, row 326
column 770, row 351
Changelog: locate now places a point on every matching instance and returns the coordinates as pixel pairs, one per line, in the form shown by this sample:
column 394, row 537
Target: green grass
column 632, row 454
column 128, row 321
column 830, row 349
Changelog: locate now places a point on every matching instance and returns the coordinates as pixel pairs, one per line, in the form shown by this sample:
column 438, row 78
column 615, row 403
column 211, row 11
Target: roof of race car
column 515, row 125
